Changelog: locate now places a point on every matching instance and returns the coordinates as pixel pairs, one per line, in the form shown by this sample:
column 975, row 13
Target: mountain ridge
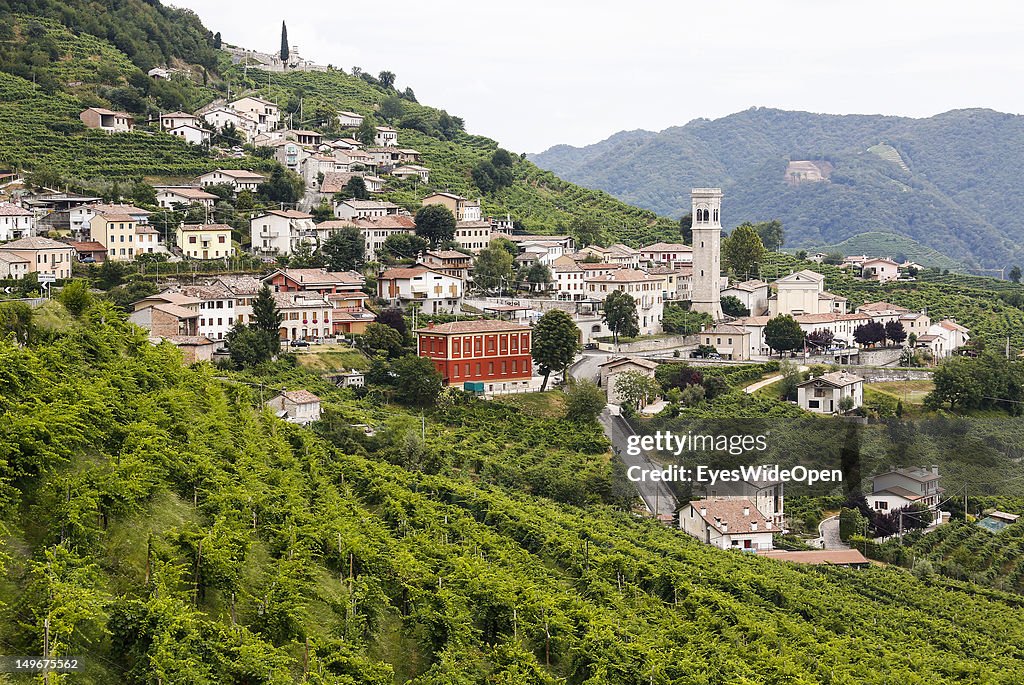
column 957, row 197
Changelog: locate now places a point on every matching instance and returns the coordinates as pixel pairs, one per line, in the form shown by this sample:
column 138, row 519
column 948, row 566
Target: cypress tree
column 284, row 42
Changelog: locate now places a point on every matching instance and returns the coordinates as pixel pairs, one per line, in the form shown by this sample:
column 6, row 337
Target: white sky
column 536, row 73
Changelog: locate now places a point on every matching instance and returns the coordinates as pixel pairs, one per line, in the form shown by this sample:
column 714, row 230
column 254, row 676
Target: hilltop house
column 190, row 133
column 205, row 241
column 906, row 486
column 15, row 222
column 434, row 291
column 386, row 137
column 880, row 269
column 168, row 196
column 364, row 209
column 34, row 254
column 463, row 209
column 375, row 232
column 667, row 254
column 493, row 354
column 414, row 171
column 238, row 179
column 349, row 119
column 611, row 369
column 266, row 114
column 728, row 524
column 826, row 393
column 107, row 120
column 280, row 232
column 296, row 406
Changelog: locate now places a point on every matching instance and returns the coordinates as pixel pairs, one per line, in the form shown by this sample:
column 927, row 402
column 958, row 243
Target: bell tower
column 707, row 251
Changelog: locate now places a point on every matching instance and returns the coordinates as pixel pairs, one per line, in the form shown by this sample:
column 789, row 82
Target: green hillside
column 54, row 65
column 172, row 531
column 892, row 245
column 950, row 182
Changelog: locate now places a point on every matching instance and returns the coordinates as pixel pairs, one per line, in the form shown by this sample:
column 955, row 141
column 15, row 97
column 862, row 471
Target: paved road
column 589, row 366
column 657, row 497
column 828, row 535
column 757, row 385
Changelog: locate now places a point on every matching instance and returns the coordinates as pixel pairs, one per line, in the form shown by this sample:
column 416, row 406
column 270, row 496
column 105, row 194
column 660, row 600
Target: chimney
column 935, row 469
column 703, row 511
column 753, row 526
column 725, row 526
column 767, row 525
column 746, row 511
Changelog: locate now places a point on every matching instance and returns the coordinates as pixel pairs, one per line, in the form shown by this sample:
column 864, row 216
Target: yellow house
column 117, row 234
column 205, row 241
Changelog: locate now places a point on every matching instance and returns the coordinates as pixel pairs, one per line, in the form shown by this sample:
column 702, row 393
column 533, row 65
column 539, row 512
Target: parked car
column 299, row 343
column 590, row 346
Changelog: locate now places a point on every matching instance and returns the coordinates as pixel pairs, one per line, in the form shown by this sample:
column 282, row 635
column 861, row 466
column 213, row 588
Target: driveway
column 828, row 535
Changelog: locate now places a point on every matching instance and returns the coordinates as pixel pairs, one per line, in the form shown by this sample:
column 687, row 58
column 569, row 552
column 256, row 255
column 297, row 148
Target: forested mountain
column 951, row 182
column 58, row 58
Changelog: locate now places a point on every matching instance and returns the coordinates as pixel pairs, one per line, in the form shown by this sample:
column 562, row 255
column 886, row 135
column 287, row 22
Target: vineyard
column 168, row 529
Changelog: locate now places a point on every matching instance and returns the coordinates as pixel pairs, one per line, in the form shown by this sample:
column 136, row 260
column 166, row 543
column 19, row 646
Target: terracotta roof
column 187, row 228
column 241, row 285
column 175, row 311
column 900, row 492
column 117, row 209
column 725, row 329
column 838, row 379
column 299, row 396
column 442, row 194
column 189, row 192
column 237, row 173
column 11, row 259
column 639, row 361
column 752, row 321
column 10, row 209
column 321, row 276
column 829, row 318
column 913, row 473
column 951, row 325
column 403, row 272
column 336, row 223
column 477, row 326
column 145, row 229
column 448, row 254
column 667, row 247
column 881, row 307
column 730, row 512
column 803, row 274
column 394, row 221
column 623, row 276
column 369, row 204
column 169, row 296
column 87, row 246
column 116, row 217
column 34, row 243
column 288, row 213
column 520, row 238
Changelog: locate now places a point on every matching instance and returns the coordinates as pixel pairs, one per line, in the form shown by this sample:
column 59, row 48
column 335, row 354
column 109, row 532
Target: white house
column 377, row 230
column 386, row 137
column 753, row 294
column 826, row 393
column 191, row 134
column 266, row 114
column 349, row 119
column 647, row 291
column 880, row 269
column 173, row 120
column 238, row 179
column 364, row 209
column 613, row 368
column 730, row 342
column 906, row 486
column 728, row 524
column 473, row 235
column 168, row 196
column 107, row 120
column 219, row 117
column 280, row 232
column 668, row 254
column 434, row 291
column 15, row 222
column 421, row 173
column 296, row 406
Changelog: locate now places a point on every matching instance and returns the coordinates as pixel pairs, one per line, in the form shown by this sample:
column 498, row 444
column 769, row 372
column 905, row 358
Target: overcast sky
column 536, row 73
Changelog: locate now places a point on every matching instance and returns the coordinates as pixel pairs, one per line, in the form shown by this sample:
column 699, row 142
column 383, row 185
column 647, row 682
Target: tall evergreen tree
column 265, row 314
column 284, row 43
column 217, row 40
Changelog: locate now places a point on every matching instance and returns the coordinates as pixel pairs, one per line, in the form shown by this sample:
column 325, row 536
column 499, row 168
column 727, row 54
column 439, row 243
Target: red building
column 495, row 353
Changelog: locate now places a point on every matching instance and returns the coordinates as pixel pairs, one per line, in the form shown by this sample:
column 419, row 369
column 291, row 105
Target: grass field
column 548, row 405
column 911, row 392
column 333, row 357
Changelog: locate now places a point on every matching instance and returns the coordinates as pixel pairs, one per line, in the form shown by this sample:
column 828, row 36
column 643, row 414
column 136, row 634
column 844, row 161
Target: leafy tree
column 266, row 316
column 484, row 175
column 584, row 401
column 586, row 231
column 284, row 43
column 801, row 255
column 869, row 333
column 791, row 378
column 436, row 223
column 556, row 342
column 283, row 185
column 143, row 193
column 381, row 339
column 743, row 251
column 392, row 108
column 112, row 274
column 771, row 234
column 303, row 257
column 322, row 212
column 538, row 275
column 492, row 269
column 833, row 258
column 783, row 334
column 249, row 346
column 676, row 319
column 387, row 79
column 502, row 158
column 409, row 95
column 419, row 381
column 820, row 339
column 399, row 246
column 895, row 333
column 686, row 228
column 367, row 131
column 620, row 315
column 75, row 296
column 733, row 306
column 393, row 317
column 507, row 245
column 343, row 251
column 16, row 320
column 1015, row 274
column 636, row 389
column 355, row 188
